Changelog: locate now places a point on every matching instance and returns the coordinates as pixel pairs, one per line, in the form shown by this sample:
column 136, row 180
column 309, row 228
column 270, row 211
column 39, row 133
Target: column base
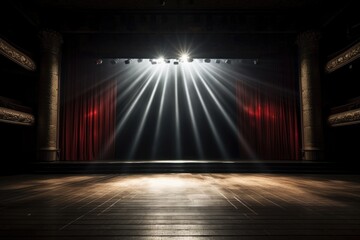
column 313, row 154
column 48, row 155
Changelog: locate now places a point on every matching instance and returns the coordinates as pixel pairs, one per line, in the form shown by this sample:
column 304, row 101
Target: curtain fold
column 268, row 115
column 267, row 106
column 88, row 109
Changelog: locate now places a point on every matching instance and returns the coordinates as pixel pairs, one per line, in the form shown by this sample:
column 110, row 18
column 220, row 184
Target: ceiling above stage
column 216, row 16
column 248, row 26
column 182, row 4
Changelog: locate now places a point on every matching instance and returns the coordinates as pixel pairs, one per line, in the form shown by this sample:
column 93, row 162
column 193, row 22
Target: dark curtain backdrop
column 267, row 106
column 268, row 110
column 88, row 109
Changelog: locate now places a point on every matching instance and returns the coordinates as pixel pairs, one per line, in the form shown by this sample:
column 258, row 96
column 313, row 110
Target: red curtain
column 268, row 110
column 88, row 109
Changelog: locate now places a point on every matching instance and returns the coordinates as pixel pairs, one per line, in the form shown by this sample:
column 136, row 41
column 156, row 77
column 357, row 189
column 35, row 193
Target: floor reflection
column 198, row 206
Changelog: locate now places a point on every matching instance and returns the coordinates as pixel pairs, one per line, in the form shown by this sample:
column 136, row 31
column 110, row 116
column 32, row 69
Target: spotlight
column 98, row 61
column 127, row 61
column 228, row 61
column 153, row 61
column 176, row 62
column 139, row 60
column 184, row 57
column 190, row 59
column 217, row 61
column 256, row 61
column 160, row 60
column 207, row 60
column 114, row 61
column 167, row 60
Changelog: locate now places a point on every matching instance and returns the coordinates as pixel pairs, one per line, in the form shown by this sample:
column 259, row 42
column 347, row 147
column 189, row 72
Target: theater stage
column 180, row 206
column 182, row 166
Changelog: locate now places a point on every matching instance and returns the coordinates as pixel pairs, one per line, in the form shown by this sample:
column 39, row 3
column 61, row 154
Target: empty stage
column 180, row 206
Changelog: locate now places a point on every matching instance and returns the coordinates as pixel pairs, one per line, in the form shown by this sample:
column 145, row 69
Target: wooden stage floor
column 180, row 206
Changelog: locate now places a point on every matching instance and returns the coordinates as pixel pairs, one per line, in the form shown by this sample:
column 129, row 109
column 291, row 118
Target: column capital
column 308, row 38
column 51, row 40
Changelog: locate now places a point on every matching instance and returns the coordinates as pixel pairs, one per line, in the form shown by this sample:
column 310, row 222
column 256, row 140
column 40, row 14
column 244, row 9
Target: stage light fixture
column 139, row 60
column 207, row 60
column 228, row 61
column 217, row 61
column 160, row 60
column 176, row 62
column 153, row 61
column 184, row 57
column 190, row 59
column 114, row 61
column 98, row 61
column 256, row 61
column 167, row 60
column 127, row 61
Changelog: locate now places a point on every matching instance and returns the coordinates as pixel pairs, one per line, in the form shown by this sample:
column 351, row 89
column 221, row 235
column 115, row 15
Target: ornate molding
column 16, row 55
column 344, row 58
column 345, row 118
column 16, row 117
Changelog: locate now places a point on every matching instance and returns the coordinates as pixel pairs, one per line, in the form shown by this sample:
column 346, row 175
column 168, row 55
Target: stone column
column 48, row 102
column 310, row 88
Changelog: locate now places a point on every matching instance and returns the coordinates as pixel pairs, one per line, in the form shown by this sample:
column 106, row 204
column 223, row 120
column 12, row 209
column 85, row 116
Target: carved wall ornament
column 16, row 117
column 16, row 55
column 345, row 118
column 344, row 58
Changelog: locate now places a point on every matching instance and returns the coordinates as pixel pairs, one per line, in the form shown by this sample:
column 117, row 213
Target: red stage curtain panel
column 268, row 110
column 88, row 109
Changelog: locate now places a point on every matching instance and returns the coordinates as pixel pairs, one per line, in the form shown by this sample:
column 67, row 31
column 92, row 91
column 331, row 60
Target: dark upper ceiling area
column 193, row 16
column 180, row 4
column 135, row 27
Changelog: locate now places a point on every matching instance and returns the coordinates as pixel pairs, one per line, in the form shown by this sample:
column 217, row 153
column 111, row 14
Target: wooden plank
column 180, row 206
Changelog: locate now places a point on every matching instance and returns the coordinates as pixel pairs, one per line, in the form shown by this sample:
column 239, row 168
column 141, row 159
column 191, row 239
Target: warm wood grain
column 180, row 206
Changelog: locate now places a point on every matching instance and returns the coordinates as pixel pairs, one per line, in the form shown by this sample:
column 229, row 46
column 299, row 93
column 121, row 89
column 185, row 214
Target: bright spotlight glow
column 160, row 114
column 184, row 57
column 134, row 102
column 144, row 118
column 177, row 111
column 177, row 118
column 209, row 118
column 226, row 115
column 160, row 60
column 192, row 115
